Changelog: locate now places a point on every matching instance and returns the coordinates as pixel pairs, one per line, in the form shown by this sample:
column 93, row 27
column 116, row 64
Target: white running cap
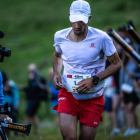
column 79, row 11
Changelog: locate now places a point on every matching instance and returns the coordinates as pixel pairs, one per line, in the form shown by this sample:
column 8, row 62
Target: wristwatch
column 95, row 80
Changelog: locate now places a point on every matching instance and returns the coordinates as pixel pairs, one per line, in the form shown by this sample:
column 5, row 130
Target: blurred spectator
column 129, row 95
column 124, row 85
column 108, row 94
column 126, row 97
column 11, row 96
column 130, row 98
column 115, row 99
column 1, row 90
column 54, row 98
column 36, row 91
column 136, row 77
column 137, row 82
column 130, row 90
column 122, row 32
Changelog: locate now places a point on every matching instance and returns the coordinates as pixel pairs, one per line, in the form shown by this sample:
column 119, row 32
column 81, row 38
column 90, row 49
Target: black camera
column 3, row 51
column 5, row 109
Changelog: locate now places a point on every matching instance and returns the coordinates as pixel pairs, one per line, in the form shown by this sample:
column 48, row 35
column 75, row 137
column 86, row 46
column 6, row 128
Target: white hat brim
column 75, row 18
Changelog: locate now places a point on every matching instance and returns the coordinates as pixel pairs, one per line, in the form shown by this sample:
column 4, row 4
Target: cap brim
column 75, row 18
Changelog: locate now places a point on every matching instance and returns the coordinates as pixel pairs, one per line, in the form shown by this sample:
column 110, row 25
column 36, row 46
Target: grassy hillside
column 29, row 28
column 49, row 132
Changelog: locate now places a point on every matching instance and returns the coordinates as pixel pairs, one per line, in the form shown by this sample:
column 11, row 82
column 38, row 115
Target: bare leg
column 68, row 126
column 136, row 119
column 27, row 119
column 131, row 119
column 35, row 123
column 130, row 107
column 116, row 105
column 110, row 119
column 87, row 133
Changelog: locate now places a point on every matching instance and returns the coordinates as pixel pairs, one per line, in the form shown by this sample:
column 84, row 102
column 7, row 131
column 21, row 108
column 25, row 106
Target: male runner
column 83, row 50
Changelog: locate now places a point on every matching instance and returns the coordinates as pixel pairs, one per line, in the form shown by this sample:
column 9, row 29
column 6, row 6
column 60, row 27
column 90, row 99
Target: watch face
column 95, row 80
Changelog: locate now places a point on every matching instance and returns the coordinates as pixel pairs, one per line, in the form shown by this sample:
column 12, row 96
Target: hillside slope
column 29, row 28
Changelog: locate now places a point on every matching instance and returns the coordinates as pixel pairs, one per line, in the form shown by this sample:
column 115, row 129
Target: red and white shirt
column 85, row 57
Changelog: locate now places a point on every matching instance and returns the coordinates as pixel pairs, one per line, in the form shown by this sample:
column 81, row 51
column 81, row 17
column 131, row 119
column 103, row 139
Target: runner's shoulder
column 96, row 31
column 62, row 33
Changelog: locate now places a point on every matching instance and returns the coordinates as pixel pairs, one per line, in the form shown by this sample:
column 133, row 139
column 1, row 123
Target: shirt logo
column 92, row 45
column 62, row 98
column 96, row 71
column 95, row 122
column 69, row 76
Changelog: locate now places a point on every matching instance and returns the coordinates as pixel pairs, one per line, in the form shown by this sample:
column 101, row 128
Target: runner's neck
column 75, row 38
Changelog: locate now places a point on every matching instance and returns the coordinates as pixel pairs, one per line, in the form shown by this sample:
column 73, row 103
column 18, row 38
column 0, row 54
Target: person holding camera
column 1, row 90
column 6, row 118
column 3, row 52
column 11, row 95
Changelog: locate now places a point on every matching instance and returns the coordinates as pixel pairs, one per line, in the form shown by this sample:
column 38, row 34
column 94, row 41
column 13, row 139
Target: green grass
column 52, row 133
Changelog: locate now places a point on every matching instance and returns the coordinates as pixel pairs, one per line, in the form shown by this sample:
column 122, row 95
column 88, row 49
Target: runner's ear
column 90, row 17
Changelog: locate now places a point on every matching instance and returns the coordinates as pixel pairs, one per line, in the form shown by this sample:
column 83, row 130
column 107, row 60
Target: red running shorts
column 89, row 112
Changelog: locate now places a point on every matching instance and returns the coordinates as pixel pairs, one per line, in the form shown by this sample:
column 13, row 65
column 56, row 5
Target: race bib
column 73, row 79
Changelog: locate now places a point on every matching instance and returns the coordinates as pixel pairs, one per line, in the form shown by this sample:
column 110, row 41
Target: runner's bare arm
column 57, row 66
column 113, row 68
column 86, row 84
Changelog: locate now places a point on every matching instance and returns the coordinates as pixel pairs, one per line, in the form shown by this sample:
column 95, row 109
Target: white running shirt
column 85, row 57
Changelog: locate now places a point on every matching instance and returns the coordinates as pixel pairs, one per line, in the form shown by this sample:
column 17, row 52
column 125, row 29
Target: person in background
column 115, row 98
column 6, row 118
column 108, row 95
column 136, row 77
column 117, row 106
column 11, row 96
column 54, row 96
column 36, row 86
column 128, row 93
column 130, row 99
column 137, row 81
column 1, row 90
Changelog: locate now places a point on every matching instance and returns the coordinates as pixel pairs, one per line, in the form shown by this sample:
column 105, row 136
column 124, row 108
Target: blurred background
column 29, row 27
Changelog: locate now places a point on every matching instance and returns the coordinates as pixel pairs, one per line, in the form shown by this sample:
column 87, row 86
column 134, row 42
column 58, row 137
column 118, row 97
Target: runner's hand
column 84, row 85
column 57, row 82
column 7, row 120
